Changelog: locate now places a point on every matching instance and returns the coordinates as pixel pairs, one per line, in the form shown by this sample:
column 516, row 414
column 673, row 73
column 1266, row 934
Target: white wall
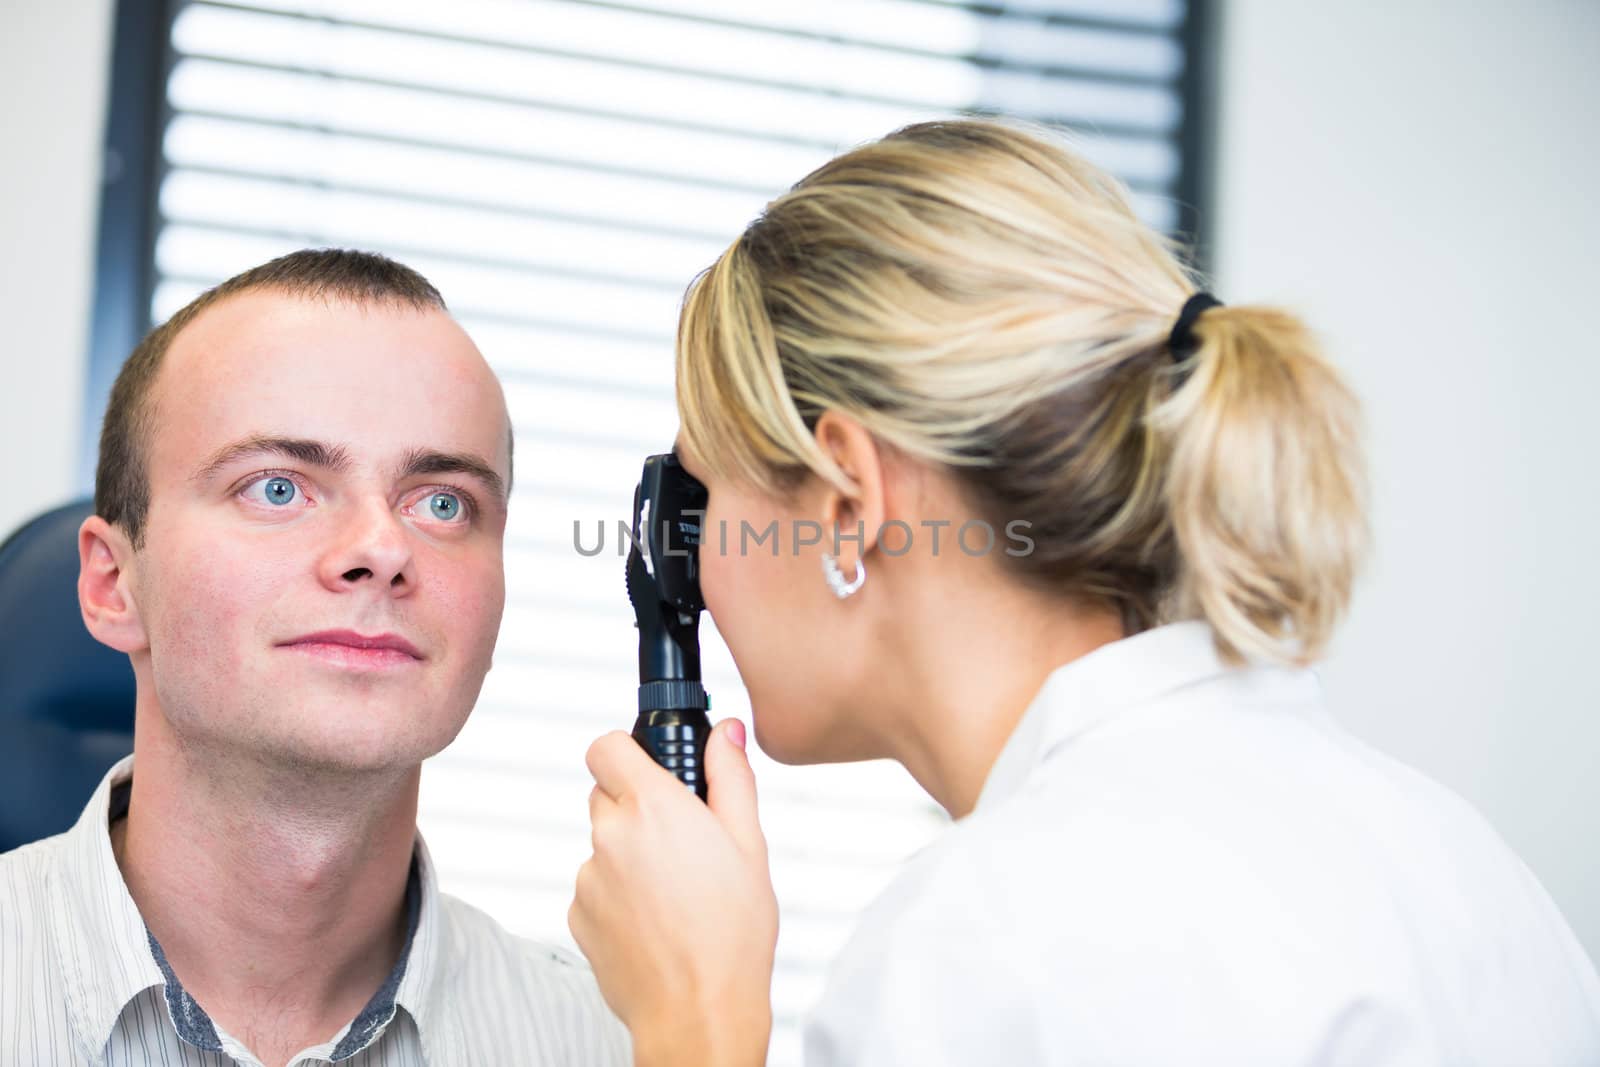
column 1419, row 179
column 54, row 65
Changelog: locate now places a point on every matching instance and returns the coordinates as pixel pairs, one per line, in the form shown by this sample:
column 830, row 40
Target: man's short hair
column 122, row 482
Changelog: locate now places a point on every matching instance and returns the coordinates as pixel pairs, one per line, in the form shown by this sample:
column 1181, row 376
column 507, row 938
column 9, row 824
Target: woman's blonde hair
column 979, row 297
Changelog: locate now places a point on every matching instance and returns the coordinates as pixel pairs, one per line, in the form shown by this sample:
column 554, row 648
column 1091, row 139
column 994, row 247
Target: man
column 301, row 502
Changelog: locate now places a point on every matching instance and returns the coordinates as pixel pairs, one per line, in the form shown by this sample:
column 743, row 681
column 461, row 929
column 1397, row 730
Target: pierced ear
column 858, row 454
column 104, row 593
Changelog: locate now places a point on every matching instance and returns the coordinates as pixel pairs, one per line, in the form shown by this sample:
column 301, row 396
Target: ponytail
column 1265, row 487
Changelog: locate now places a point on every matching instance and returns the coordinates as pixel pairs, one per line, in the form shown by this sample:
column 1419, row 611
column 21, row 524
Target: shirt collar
column 109, row 957
column 426, row 982
column 195, row 1026
column 1086, row 693
column 373, row 1019
column 100, row 939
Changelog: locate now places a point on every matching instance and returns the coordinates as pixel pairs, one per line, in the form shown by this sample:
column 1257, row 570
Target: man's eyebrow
column 428, row 461
column 311, row 453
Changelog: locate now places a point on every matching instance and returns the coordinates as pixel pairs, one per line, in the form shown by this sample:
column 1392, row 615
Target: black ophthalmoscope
column 663, row 579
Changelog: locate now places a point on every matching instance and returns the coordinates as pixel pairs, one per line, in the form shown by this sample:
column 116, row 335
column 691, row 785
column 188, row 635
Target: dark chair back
column 66, row 700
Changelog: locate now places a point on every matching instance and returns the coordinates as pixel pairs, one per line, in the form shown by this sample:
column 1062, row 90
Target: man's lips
column 357, row 649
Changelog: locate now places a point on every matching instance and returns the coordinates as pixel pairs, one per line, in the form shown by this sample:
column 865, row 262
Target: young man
column 301, row 502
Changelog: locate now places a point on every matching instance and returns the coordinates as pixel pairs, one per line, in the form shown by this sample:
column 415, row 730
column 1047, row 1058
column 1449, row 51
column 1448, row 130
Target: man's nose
column 372, row 547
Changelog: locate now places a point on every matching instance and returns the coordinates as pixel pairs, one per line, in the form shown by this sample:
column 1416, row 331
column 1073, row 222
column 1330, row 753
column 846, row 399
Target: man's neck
column 277, row 894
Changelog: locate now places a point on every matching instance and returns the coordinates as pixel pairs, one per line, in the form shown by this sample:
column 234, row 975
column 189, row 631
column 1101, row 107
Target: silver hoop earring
column 835, row 577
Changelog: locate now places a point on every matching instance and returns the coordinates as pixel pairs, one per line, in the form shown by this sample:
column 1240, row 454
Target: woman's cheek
column 713, row 576
column 715, row 546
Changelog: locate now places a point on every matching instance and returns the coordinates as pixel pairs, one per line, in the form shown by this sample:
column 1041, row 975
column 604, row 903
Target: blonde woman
column 1163, row 849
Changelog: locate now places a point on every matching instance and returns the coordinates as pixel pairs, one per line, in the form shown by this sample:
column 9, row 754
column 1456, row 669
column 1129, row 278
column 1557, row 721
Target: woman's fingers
column 619, row 766
column 580, row 916
column 675, row 908
column 731, row 788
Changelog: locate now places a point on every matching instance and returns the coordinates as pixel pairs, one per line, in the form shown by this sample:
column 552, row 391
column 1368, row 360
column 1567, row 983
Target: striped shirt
column 82, row 981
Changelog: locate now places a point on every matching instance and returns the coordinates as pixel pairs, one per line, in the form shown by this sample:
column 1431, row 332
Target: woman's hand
column 675, row 909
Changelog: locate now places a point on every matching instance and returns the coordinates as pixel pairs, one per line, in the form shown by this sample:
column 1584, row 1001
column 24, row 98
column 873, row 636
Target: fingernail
column 736, row 732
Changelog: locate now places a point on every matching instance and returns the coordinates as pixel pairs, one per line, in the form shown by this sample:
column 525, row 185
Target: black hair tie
column 1181, row 343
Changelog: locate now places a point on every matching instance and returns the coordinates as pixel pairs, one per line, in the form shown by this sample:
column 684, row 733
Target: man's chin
column 336, row 758
column 355, row 736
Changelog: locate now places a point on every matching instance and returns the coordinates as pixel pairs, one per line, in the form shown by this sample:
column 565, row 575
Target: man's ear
column 859, row 455
column 105, row 595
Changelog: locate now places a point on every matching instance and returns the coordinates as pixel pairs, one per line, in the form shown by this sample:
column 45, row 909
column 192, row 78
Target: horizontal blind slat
column 813, row 109
column 803, row 45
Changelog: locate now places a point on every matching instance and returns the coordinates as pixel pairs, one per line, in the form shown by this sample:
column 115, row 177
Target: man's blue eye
column 444, row 506
column 279, row 490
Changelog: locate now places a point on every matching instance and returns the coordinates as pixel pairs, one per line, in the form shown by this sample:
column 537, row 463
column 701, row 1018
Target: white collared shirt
column 83, row 982
column 1175, row 862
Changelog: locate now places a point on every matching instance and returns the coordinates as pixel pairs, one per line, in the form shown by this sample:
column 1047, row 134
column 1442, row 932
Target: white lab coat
column 1174, row 862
